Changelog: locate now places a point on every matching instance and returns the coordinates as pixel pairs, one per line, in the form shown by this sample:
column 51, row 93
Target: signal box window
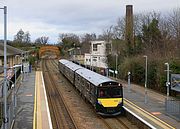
column 95, row 47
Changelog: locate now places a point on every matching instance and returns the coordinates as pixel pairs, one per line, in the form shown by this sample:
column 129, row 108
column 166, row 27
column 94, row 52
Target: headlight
column 120, row 102
column 99, row 102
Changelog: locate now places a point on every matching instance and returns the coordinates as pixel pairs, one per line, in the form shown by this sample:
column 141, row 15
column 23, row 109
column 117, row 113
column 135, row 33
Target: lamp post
column 167, row 82
column 145, row 84
column 116, row 65
column 129, row 81
column 5, row 119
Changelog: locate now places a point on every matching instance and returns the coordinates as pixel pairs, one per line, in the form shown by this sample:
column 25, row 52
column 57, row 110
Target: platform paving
column 25, row 103
column 155, row 102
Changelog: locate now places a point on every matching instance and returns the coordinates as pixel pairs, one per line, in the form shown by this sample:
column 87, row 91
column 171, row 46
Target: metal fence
column 10, row 108
column 173, row 108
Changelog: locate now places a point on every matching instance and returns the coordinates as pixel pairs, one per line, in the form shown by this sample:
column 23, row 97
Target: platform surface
column 155, row 105
column 25, row 103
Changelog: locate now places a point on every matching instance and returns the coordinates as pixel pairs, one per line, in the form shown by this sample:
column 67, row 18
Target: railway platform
column 32, row 107
column 25, row 102
column 153, row 111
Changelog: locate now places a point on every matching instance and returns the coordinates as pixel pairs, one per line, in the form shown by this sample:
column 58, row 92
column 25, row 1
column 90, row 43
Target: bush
column 175, row 66
column 156, row 71
column 152, row 74
column 135, row 66
column 32, row 60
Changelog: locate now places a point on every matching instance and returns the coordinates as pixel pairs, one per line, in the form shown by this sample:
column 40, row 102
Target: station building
column 13, row 56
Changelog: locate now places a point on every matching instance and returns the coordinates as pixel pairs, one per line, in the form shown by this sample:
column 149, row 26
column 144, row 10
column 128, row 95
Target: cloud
column 77, row 16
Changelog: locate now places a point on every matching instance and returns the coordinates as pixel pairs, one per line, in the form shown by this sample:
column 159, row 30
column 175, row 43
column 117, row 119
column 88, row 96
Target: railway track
column 110, row 123
column 115, row 123
column 60, row 114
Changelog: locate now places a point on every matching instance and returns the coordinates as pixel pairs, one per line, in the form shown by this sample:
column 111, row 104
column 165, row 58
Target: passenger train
column 105, row 94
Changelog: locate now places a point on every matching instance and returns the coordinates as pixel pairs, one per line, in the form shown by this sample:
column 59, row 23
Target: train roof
column 70, row 64
column 64, row 61
column 89, row 75
column 94, row 77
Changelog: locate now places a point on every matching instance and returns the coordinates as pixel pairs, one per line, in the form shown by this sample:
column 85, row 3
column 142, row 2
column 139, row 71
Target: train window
column 88, row 86
column 110, row 92
column 95, row 60
column 83, row 82
column 92, row 89
column 103, row 93
column 116, row 92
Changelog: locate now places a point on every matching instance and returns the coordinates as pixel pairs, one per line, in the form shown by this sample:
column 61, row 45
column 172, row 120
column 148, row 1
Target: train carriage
column 68, row 68
column 105, row 94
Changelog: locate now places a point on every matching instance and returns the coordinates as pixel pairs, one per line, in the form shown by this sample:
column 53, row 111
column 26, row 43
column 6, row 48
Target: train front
column 109, row 99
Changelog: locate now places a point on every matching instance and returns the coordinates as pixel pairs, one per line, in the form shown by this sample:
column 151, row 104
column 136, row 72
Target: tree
column 26, row 37
column 107, row 34
column 174, row 22
column 88, row 37
column 119, row 29
column 86, row 45
column 19, row 36
column 152, row 36
column 69, row 40
column 43, row 40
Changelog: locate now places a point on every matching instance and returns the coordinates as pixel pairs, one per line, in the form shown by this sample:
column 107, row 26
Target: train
column 103, row 93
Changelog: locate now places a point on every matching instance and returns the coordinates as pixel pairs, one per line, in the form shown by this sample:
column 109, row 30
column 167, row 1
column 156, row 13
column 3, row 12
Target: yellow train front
column 109, row 99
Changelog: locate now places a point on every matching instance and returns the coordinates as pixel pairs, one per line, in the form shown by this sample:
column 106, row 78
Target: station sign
column 111, row 71
column 175, row 82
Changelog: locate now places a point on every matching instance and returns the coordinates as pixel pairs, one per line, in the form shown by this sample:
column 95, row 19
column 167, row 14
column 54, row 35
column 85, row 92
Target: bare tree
column 19, row 36
column 107, row 34
column 85, row 45
column 42, row 40
column 174, row 22
column 119, row 29
column 174, row 26
column 69, row 40
column 26, row 37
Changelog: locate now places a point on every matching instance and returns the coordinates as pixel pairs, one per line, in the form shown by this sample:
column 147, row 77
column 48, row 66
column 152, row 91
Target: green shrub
column 135, row 66
column 175, row 66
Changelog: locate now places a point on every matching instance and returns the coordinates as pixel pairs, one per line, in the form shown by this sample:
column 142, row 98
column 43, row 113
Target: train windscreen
column 110, row 92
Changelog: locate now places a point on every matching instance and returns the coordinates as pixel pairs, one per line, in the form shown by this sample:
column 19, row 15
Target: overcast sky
column 51, row 17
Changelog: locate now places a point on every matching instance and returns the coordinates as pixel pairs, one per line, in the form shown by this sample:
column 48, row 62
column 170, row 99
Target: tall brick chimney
column 129, row 25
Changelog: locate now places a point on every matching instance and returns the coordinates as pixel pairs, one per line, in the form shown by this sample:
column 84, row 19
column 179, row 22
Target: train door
column 92, row 94
column 89, row 88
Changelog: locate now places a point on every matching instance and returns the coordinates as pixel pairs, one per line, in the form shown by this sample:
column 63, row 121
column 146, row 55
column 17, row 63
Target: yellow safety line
column 39, row 116
column 148, row 114
column 35, row 104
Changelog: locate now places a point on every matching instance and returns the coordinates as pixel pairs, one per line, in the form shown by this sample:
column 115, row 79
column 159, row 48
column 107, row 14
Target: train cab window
column 102, row 93
column 116, row 92
column 110, row 92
